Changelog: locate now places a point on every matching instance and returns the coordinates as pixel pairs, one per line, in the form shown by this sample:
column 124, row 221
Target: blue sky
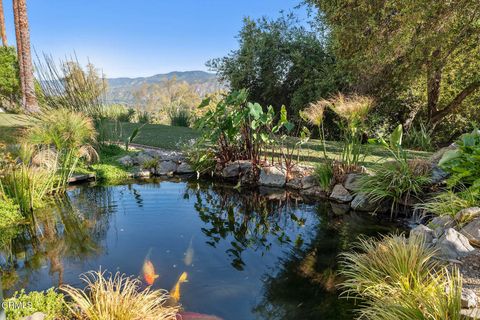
column 141, row 37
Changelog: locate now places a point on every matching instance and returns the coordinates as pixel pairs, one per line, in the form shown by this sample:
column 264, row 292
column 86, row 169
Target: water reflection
column 212, row 245
column 251, row 219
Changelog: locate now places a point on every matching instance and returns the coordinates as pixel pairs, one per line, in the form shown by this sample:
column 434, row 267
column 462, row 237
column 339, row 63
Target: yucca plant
column 118, row 297
column 398, row 278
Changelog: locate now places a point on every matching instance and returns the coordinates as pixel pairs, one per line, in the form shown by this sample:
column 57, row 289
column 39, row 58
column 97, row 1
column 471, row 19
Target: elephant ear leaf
column 449, row 156
column 255, row 110
column 396, row 137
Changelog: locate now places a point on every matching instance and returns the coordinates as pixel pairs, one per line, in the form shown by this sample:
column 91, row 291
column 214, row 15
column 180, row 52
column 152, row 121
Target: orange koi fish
column 149, row 272
column 175, row 292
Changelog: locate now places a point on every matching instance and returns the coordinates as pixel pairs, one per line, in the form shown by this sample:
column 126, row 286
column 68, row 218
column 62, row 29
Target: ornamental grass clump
column 118, row 297
column 398, row 278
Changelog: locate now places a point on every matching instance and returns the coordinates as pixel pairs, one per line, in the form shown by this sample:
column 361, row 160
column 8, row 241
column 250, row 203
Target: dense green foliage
column 9, row 81
column 49, row 302
column 397, row 180
column 464, row 162
column 9, row 213
column 398, row 278
column 280, row 62
column 108, row 170
column 450, row 202
column 419, row 59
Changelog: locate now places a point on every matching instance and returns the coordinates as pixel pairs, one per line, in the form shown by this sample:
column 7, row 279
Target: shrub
column 324, row 174
column 118, row 297
column 144, row 117
column 9, row 213
column 118, row 112
column 49, row 302
column 70, row 133
column 398, row 278
column 419, row 138
column 463, row 162
column 179, row 117
column 397, row 180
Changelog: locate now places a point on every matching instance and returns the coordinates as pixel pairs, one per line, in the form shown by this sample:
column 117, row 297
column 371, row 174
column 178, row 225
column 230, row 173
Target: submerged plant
column 118, row 297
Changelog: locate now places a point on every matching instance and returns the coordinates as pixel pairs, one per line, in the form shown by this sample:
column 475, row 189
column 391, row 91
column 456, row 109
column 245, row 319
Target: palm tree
column 3, row 32
column 22, row 33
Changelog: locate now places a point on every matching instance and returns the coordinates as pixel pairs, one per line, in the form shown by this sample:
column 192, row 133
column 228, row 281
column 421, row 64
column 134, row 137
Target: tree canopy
column 280, row 62
column 428, row 47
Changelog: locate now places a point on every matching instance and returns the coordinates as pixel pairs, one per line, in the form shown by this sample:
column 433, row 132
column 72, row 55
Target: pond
column 245, row 255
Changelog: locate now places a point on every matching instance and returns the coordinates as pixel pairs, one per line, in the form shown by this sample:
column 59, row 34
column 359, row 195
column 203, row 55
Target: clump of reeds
column 118, row 297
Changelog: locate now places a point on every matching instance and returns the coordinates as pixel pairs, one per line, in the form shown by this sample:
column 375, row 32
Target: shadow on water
column 269, row 245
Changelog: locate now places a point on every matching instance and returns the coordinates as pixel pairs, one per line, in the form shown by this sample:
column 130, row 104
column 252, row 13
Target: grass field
column 173, row 138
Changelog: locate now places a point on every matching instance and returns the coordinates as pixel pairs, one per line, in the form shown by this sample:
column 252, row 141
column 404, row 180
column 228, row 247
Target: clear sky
column 141, row 37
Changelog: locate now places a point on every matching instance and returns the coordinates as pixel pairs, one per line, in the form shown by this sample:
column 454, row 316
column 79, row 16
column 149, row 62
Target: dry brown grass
column 118, row 297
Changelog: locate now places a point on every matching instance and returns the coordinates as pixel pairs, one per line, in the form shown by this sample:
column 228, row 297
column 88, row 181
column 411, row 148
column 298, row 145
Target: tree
column 22, row 33
column 3, row 32
column 9, row 82
column 280, row 62
column 390, row 47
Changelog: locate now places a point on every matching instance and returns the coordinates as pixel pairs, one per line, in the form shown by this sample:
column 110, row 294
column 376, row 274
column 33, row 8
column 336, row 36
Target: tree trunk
column 434, row 80
column 27, row 80
column 3, row 32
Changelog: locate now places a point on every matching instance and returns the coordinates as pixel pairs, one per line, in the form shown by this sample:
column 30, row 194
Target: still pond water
column 246, row 255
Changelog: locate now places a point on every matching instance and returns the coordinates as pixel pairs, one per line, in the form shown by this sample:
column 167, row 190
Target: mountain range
column 120, row 90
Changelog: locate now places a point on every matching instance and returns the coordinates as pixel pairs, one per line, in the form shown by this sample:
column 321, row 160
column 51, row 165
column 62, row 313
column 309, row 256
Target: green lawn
column 173, row 138
column 11, row 126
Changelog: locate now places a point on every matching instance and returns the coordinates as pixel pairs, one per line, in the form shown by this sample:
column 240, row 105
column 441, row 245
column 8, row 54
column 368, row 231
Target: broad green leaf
column 449, row 156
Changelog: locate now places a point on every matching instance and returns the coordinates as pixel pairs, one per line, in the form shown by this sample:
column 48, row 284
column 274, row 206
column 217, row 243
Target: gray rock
column 316, row 192
column 235, row 169
column 472, row 231
column 295, row 183
column 453, row 245
column 167, row 167
column 340, row 208
column 184, row 168
column 470, row 314
column 126, row 161
column 340, row 194
column 272, row 176
column 424, row 232
column 309, row 182
column 438, row 175
column 469, row 298
column 141, row 158
column 362, row 203
column 440, row 224
column 142, row 174
column 351, row 181
column 467, row 214
column 36, row 316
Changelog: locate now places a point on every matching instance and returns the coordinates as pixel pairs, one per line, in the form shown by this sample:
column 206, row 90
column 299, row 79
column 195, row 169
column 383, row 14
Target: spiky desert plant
column 118, row 297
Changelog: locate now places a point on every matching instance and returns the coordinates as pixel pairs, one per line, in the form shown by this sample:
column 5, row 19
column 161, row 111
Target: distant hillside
column 120, row 89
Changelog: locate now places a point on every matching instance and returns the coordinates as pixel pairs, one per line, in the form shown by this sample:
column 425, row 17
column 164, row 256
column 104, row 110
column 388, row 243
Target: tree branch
column 456, row 102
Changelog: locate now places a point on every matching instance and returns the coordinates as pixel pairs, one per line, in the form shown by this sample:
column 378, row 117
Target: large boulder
column 309, row 182
column 184, row 168
column 272, row 176
column 467, row 214
column 440, row 224
column 472, row 231
column 453, row 245
column 126, row 161
column 141, row 158
column 351, row 181
column 423, row 232
column 167, row 167
column 295, row 183
column 236, row 168
column 340, row 194
column 362, row 203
